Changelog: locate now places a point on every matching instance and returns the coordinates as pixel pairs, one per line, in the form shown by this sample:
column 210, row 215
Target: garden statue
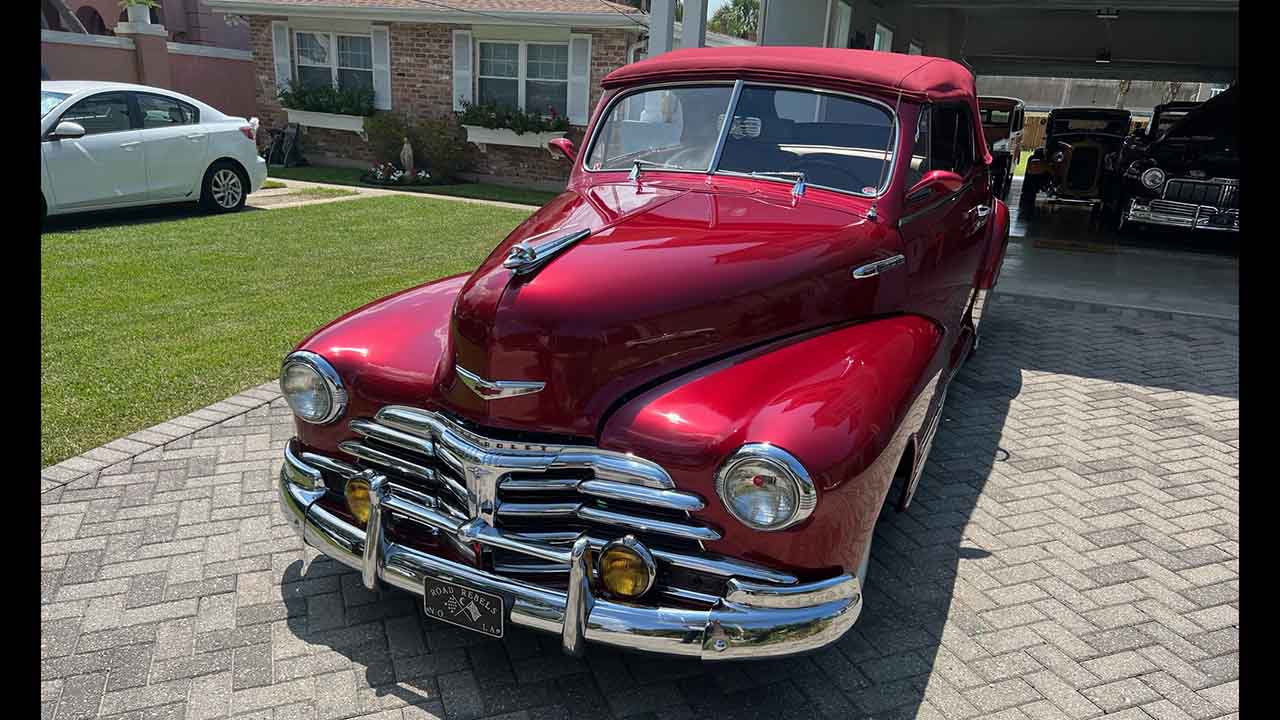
column 406, row 160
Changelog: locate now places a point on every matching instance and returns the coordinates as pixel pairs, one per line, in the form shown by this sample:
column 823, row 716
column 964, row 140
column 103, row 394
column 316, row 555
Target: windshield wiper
column 796, row 190
column 636, row 164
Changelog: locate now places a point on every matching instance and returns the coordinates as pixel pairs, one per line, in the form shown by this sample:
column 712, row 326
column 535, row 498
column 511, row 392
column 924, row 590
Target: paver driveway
column 1073, row 551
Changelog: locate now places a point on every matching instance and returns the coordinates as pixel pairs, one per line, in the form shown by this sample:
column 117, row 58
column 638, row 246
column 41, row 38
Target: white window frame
column 522, row 68
column 334, row 63
column 887, row 34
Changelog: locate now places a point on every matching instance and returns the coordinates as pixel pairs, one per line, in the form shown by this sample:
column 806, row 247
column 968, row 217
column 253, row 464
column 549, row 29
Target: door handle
column 875, row 268
column 130, row 145
column 196, row 136
column 982, row 211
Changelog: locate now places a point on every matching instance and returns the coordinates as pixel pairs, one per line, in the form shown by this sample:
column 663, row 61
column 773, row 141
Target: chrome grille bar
column 643, row 524
column 669, row 499
column 391, row 436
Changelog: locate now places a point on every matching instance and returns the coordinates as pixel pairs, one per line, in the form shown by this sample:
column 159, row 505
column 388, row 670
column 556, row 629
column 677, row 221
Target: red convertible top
column 918, row 77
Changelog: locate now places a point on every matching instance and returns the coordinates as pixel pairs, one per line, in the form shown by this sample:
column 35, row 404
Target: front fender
column 844, row 403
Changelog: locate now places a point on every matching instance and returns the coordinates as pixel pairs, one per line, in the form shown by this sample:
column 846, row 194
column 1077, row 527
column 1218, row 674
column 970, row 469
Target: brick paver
column 1073, row 551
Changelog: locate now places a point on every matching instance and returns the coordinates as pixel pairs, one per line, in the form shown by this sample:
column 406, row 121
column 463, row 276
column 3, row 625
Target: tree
column 739, row 18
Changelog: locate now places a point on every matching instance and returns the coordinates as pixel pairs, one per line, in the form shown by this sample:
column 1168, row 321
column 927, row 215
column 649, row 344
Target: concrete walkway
column 376, row 192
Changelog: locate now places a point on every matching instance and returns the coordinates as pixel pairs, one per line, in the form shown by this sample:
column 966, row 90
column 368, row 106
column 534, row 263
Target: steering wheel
column 808, row 167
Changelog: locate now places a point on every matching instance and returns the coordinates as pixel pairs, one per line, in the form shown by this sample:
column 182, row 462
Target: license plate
column 463, row 606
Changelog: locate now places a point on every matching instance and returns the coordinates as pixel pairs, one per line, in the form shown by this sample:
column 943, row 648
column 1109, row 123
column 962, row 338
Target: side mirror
column 934, row 185
column 564, row 145
column 67, row 130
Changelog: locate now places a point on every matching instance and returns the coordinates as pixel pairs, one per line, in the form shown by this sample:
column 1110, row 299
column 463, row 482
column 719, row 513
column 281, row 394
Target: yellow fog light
column 357, row 493
column 626, row 568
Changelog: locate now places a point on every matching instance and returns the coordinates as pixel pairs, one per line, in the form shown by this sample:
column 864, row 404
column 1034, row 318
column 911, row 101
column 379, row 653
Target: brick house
column 425, row 58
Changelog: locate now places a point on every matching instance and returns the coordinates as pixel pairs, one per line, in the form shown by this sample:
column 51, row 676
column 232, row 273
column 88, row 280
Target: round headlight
column 765, row 488
column 1058, row 157
column 312, row 387
column 1153, row 178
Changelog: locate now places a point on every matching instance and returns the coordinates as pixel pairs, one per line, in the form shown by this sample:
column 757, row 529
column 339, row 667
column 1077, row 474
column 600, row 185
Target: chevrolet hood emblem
column 525, row 257
column 497, row 389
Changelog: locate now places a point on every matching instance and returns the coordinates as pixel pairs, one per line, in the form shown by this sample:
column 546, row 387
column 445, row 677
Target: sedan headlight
column 1059, row 157
column 1152, row 179
column 1001, row 145
column 765, row 488
column 312, row 387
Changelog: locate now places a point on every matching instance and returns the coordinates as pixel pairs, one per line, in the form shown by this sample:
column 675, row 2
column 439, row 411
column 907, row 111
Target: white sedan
column 113, row 145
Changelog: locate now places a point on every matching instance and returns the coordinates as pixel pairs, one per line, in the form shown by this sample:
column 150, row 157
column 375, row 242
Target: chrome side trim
column 872, row 269
column 776, row 623
column 498, row 389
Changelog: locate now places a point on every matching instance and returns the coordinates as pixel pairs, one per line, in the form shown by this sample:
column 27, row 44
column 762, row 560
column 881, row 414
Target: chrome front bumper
column 753, row 620
column 1171, row 213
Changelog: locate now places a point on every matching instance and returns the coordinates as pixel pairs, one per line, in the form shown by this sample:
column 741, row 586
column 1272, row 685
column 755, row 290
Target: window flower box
column 483, row 136
column 331, row 121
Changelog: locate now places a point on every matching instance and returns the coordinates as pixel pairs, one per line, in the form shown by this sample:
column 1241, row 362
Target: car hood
column 672, row 276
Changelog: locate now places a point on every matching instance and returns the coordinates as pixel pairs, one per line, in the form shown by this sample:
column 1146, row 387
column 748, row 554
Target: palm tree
column 739, row 18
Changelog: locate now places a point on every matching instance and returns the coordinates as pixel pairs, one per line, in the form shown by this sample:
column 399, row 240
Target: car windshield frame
column 61, row 97
column 723, row 133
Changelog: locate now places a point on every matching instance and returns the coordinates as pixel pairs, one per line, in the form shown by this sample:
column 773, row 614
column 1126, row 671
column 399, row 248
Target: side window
column 158, row 111
column 952, row 141
column 101, row 113
column 919, row 150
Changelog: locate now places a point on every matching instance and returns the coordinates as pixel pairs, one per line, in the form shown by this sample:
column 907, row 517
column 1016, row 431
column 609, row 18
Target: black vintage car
column 1187, row 176
column 1070, row 165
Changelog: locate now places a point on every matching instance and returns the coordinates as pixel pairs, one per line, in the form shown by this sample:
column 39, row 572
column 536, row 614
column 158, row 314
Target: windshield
column 1166, row 120
column 1114, row 125
column 838, row 142
column 995, row 117
column 50, row 100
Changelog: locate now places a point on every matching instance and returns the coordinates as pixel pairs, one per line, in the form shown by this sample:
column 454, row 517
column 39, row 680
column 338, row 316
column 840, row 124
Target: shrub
column 319, row 97
column 518, row 121
column 443, row 149
column 386, row 132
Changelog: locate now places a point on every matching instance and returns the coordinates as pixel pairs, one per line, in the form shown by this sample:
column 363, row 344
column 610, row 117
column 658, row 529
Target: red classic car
column 667, row 410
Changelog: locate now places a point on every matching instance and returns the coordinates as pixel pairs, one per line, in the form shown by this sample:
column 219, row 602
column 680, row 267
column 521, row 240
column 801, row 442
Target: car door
column 974, row 208
column 105, row 167
column 174, row 144
column 933, row 234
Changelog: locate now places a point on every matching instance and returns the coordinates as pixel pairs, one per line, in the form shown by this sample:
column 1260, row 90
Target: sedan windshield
column 50, row 100
column 835, row 141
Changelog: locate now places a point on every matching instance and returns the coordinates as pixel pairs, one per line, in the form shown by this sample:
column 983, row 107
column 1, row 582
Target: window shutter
column 579, row 79
column 280, row 51
column 462, row 73
column 381, row 68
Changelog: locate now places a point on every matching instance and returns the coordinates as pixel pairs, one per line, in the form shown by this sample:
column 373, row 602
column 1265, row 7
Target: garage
column 1129, row 68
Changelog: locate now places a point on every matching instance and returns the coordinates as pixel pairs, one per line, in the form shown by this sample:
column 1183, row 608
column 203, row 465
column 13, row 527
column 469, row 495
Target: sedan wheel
column 224, row 188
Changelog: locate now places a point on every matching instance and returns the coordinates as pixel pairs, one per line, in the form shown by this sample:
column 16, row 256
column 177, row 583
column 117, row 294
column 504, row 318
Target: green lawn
column 1021, row 167
column 481, row 191
column 146, row 321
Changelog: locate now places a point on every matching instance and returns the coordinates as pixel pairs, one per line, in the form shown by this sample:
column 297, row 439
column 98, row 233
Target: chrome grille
column 549, row 493
column 1084, row 168
column 1213, row 193
column 1176, row 209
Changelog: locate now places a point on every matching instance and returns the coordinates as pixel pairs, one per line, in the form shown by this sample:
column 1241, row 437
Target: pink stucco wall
column 223, row 83
column 81, row 62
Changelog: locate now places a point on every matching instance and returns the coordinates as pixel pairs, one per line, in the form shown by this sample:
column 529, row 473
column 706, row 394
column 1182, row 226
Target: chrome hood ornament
column 525, row 257
column 497, row 389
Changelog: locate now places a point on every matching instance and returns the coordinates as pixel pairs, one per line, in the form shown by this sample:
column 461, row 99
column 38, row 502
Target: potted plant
column 139, row 11
column 501, row 125
column 325, row 106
